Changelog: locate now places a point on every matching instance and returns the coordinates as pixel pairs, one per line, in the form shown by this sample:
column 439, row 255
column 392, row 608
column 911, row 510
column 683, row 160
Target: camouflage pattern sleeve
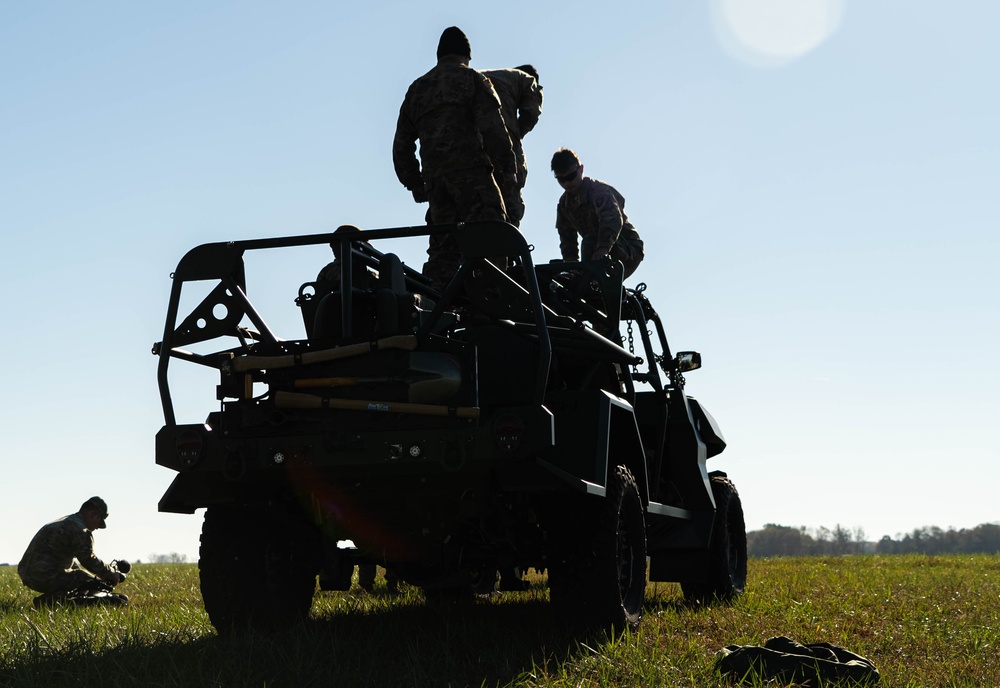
column 489, row 122
column 568, row 244
column 529, row 106
column 520, row 100
column 609, row 220
column 404, row 150
column 85, row 555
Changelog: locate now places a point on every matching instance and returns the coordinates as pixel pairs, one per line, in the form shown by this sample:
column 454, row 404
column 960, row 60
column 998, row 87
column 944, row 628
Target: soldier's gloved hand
column 114, row 579
column 419, row 194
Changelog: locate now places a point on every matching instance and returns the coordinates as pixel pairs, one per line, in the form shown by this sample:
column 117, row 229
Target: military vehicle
column 499, row 421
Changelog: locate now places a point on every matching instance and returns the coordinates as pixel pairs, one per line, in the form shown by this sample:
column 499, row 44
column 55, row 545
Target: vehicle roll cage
column 574, row 294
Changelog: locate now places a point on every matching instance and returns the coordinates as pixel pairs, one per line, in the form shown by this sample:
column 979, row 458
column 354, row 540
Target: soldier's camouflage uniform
column 46, row 564
column 521, row 105
column 595, row 211
column 455, row 114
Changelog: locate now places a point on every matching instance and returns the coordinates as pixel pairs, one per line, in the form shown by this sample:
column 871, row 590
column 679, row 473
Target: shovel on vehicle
column 431, row 378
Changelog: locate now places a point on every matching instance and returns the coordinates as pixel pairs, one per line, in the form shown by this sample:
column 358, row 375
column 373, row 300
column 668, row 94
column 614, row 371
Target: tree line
column 785, row 541
column 172, row 558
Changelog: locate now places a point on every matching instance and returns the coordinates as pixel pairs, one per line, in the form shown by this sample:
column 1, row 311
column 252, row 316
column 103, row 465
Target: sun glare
column 774, row 32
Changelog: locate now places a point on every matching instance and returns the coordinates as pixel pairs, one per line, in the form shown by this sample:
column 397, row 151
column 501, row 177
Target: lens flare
column 774, row 32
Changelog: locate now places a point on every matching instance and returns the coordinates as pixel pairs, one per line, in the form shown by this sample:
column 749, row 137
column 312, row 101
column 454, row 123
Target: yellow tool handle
column 331, row 381
column 407, row 342
column 309, row 401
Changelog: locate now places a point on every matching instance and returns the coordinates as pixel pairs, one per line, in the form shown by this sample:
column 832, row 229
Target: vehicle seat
column 395, row 306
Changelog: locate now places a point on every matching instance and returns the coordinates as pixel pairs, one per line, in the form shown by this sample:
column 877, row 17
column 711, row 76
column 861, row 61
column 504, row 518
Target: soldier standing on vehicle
column 521, row 104
column 455, row 114
column 594, row 211
column 48, row 564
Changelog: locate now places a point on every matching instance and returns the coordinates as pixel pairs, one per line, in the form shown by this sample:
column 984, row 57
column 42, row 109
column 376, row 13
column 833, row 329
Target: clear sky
column 816, row 183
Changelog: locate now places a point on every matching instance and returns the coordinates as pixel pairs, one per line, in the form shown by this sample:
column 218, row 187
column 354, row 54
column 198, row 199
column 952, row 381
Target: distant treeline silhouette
column 172, row 558
column 784, row 541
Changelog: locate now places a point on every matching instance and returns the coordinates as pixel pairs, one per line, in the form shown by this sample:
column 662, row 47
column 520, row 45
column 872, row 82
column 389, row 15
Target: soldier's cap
column 454, row 42
column 98, row 505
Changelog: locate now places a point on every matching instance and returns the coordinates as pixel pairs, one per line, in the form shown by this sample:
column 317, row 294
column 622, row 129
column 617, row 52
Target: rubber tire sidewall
column 601, row 588
column 257, row 567
column 726, row 576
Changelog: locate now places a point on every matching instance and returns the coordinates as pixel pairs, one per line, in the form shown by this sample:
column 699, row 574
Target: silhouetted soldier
column 521, row 104
column 48, row 563
column 455, row 114
column 595, row 212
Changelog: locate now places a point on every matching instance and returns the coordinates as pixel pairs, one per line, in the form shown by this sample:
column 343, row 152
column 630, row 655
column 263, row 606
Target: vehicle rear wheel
column 727, row 569
column 257, row 567
column 484, row 580
column 606, row 587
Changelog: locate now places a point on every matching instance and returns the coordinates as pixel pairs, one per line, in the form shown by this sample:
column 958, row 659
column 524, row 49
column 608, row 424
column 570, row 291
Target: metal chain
column 631, row 346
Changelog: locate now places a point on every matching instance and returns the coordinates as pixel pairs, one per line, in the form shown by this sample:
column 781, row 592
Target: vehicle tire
column 258, row 567
column 606, row 587
column 726, row 576
column 337, row 571
column 484, row 580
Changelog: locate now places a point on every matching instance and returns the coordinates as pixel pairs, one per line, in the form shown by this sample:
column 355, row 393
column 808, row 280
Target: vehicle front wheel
column 726, row 576
column 606, row 588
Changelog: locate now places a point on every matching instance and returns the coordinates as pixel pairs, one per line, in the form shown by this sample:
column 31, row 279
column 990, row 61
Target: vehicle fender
column 625, row 447
column 594, row 432
column 707, row 428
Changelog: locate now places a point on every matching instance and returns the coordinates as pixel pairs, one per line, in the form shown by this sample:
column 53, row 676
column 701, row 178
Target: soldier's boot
column 366, row 577
column 49, row 599
column 391, row 581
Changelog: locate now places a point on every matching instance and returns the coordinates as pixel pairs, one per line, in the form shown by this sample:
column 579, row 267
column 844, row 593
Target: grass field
column 923, row 621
